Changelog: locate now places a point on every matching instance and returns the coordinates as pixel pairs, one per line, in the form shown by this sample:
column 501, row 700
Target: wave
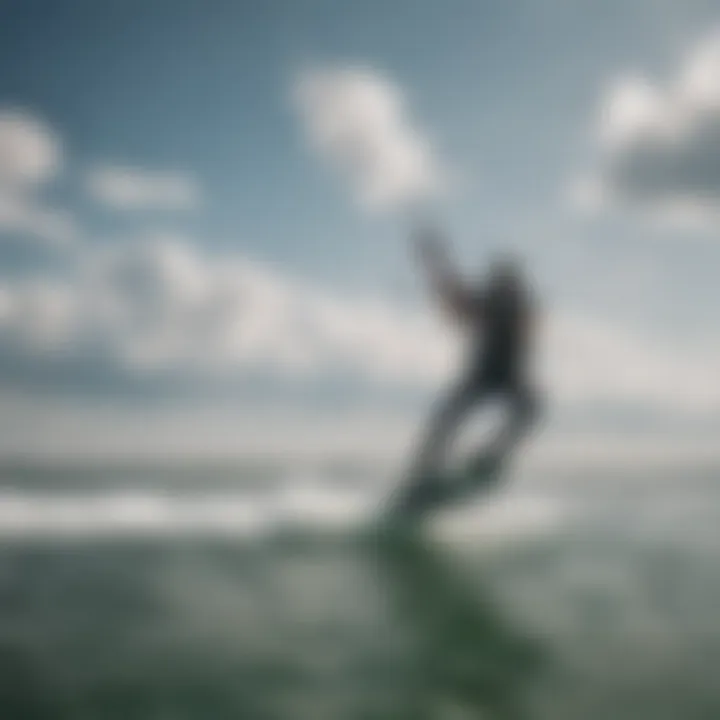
column 302, row 504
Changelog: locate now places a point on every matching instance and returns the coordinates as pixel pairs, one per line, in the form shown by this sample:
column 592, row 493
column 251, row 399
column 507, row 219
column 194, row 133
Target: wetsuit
column 498, row 322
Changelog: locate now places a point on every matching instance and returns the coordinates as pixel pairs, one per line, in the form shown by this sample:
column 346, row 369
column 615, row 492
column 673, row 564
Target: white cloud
column 356, row 119
column 658, row 145
column 27, row 216
column 160, row 307
column 175, row 307
column 588, row 361
column 30, row 153
column 131, row 188
column 30, row 156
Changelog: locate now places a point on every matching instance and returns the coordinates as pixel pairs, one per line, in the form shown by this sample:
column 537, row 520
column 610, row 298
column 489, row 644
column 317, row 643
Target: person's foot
column 416, row 498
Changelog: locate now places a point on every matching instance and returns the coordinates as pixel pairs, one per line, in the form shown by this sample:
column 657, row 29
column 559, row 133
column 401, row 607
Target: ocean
column 156, row 592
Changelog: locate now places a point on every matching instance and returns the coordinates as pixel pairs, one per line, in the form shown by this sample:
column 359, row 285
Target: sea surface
column 212, row 592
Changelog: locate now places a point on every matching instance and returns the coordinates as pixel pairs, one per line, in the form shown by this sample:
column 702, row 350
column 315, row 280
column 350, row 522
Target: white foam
column 304, row 505
column 149, row 512
column 512, row 516
column 137, row 513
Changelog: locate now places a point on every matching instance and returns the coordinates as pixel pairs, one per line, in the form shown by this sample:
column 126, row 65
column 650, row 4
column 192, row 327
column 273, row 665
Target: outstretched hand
column 431, row 251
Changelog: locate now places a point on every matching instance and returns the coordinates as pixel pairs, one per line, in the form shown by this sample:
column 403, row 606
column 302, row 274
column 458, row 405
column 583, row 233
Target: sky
column 205, row 208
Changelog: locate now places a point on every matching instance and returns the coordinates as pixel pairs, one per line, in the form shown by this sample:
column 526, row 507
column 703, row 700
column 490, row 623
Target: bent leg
column 485, row 467
column 443, row 424
column 524, row 413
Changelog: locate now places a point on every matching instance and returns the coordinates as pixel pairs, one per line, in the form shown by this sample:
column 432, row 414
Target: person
column 498, row 316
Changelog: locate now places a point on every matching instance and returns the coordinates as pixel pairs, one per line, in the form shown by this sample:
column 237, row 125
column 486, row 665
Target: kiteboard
column 421, row 495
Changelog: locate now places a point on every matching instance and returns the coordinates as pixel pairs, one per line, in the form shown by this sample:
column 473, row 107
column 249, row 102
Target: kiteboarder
column 497, row 315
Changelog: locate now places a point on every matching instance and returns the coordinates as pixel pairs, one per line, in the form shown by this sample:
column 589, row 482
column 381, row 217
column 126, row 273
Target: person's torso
column 499, row 335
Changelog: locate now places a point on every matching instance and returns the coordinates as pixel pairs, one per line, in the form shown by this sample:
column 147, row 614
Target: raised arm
column 445, row 281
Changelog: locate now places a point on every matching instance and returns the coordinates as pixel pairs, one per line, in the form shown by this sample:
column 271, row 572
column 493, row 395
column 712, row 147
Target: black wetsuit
column 496, row 365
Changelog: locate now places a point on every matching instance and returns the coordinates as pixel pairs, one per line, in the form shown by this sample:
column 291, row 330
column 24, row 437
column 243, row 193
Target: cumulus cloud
column 659, row 144
column 161, row 308
column 357, row 120
column 589, row 361
column 30, row 156
column 132, row 188
column 30, row 152
column 28, row 217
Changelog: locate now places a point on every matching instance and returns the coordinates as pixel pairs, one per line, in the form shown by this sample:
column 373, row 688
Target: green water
column 610, row 616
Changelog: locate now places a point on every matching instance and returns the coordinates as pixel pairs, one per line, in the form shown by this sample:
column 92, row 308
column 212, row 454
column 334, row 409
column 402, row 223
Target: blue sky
column 183, row 239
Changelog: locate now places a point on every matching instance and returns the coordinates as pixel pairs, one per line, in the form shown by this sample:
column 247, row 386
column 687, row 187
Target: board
column 420, row 495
